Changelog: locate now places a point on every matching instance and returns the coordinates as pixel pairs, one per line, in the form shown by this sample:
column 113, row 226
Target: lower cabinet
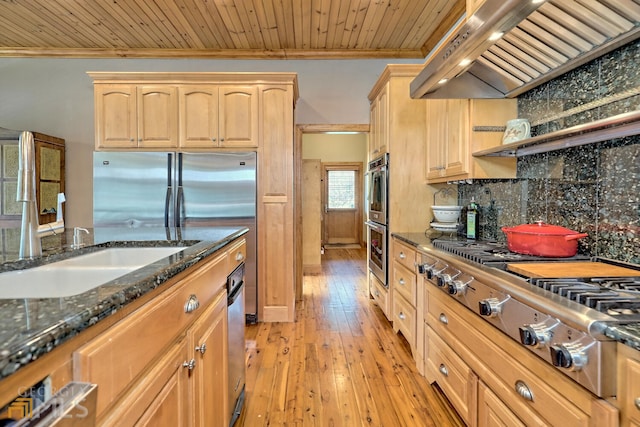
column 208, row 345
column 380, row 294
column 629, row 385
column 492, row 381
column 165, row 364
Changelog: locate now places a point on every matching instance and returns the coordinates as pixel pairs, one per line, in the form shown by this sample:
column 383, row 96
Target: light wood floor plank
column 339, row 364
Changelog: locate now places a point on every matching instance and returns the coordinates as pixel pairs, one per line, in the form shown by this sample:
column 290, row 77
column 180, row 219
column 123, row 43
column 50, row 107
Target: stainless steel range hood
column 540, row 41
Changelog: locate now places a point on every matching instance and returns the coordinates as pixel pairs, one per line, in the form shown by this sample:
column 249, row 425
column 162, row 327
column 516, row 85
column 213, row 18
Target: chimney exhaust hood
column 510, row 46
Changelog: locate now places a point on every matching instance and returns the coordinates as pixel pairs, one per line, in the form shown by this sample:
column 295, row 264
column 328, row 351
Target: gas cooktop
column 492, row 254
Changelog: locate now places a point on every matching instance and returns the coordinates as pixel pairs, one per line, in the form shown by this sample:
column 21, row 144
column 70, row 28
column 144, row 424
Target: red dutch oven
column 543, row 240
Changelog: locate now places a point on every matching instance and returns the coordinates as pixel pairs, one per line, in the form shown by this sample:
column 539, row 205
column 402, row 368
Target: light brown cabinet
column 456, row 128
column 379, row 123
column 515, row 384
column 166, row 363
column 628, row 365
column 241, row 111
column 218, row 116
column 136, row 116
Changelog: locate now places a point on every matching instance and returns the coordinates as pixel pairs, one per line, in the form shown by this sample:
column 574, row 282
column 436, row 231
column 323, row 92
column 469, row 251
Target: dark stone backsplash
column 592, row 188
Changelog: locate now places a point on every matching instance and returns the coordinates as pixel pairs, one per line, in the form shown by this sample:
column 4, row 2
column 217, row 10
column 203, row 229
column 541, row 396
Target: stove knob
column 457, row 287
column 528, row 336
column 568, row 356
column 490, row 307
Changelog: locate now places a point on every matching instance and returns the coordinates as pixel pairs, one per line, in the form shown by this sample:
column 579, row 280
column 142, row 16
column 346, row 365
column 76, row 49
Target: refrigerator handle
column 179, row 212
column 169, row 193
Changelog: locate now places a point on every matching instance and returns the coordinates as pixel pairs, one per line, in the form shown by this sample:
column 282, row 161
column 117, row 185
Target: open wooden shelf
column 619, row 126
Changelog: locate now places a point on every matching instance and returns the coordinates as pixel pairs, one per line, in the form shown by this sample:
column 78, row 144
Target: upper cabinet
column 132, row 116
column 218, row 116
column 156, row 111
column 379, row 127
column 456, row 128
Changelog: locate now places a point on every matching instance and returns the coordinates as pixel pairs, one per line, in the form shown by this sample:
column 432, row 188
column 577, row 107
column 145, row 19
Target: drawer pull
column 239, row 256
column 378, row 294
column 402, row 316
column 190, row 365
column 201, row 348
column 636, row 402
column 402, row 255
column 523, row 390
column 443, row 319
column 443, row 370
column 192, row 304
column 401, row 281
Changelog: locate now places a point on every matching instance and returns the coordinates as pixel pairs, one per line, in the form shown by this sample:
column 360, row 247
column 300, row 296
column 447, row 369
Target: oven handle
column 375, row 226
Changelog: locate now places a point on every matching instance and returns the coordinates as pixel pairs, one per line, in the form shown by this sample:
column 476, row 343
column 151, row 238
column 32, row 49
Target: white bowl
column 444, row 214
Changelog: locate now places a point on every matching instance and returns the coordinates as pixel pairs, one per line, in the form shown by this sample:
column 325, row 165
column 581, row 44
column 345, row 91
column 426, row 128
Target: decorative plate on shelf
column 517, row 130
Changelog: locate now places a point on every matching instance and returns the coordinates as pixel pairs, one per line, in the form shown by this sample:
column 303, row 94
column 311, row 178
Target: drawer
column 237, row 254
column 379, row 293
column 124, row 351
column 404, row 319
column 404, row 254
column 513, row 381
column 404, row 281
column 455, row 378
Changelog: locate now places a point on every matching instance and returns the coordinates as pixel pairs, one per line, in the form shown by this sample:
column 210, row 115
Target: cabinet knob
column 402, row 316
column 192, row 304
column 239, row 256
column 221, row 139
column 190, row 365
column 132, row 139
column 214, row 139
column 401, row 281
column 402, row 255
column 443, row 370
column 378, row 294
column 524, row 391
column 443, row 319
column 201, row 348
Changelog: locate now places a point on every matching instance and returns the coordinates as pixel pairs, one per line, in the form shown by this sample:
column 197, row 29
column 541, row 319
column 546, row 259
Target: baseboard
column 311, row 269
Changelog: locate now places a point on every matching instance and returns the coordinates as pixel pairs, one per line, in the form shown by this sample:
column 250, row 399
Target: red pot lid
column 540, row 228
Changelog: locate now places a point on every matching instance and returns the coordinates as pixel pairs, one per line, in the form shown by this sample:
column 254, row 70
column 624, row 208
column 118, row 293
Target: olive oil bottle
column 472, row 219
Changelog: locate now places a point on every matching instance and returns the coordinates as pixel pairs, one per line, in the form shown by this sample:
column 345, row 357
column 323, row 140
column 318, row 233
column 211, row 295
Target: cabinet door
column 457, row 142
column 383, row 120
column 373, row 130
column 492, row 412
column 157, row 108
column 436, row 137
column 208, row 339
column 238, row 116
column 198, row 116
column 115, row 116
column 170, row 408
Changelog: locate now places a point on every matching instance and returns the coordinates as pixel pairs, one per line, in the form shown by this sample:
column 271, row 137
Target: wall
column 593, row 188
column 55, row 96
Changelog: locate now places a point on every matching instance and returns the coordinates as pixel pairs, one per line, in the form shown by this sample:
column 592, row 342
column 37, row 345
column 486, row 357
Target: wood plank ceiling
column 257, row 29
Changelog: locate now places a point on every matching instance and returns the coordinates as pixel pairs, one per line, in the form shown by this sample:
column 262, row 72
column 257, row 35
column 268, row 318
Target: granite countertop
column 31, row 327
column 628, row 334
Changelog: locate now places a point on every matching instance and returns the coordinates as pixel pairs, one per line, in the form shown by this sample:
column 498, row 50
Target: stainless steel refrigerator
column 167, row 189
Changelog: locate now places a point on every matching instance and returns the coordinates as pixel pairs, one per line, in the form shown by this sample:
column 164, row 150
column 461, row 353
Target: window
column 341, row 188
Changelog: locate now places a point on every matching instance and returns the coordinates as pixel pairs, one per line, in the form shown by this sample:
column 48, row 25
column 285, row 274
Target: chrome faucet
column 77, row 237
column 31, row 231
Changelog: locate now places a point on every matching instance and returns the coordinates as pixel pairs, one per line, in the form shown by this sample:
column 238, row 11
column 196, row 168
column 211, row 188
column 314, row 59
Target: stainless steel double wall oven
column 377, row 208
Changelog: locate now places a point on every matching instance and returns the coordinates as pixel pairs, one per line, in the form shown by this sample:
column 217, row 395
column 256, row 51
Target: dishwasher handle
column 235, row 292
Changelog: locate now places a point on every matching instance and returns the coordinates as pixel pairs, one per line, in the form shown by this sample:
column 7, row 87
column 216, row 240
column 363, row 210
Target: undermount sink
column 78, row 274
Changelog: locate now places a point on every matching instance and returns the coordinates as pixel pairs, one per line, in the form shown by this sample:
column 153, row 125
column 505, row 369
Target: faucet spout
column 31, row 231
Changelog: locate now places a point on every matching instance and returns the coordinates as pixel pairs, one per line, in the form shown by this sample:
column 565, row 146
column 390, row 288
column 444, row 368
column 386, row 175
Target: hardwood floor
column 339, row 364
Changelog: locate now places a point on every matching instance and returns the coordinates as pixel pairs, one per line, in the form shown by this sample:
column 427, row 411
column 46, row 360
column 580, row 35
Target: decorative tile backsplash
column 592, row 188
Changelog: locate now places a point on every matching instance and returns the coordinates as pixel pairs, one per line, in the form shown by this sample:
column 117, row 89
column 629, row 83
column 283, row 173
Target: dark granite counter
column 628, row 334
column 31, row 327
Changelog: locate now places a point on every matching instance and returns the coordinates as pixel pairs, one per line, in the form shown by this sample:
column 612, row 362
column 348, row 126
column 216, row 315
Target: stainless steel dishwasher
column 235, row 338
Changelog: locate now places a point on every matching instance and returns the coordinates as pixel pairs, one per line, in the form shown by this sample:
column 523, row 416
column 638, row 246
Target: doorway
column 311, row 131
column 342, row 204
